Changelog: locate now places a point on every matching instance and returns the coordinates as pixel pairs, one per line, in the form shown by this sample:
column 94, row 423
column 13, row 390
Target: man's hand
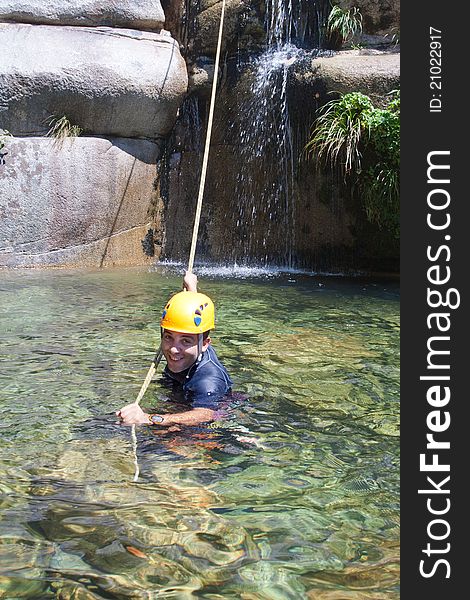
column 132, row 414
column 190, row 282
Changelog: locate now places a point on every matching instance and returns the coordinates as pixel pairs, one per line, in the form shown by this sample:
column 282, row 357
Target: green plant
column 394, row 36
column 342, row 25
column 364, row 142
column 60, row 128
column 338, row 130
column 381, row 182
column 3, row 135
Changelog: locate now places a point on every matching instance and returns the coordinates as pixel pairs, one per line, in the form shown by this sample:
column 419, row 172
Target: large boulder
column 112, row 82
column 207, row 26
column 372, row 72
column 85, row 202
column 144, row 14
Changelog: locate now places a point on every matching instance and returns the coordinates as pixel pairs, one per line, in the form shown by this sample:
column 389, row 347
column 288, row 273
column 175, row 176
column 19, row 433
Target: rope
column 150, row 374
column 208, row 139
column 197, row 218
column 143, row 389
column 134, row 452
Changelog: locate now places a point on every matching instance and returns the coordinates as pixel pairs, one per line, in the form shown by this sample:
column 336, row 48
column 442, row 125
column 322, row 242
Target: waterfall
column 296, row 21
column 265, row 203
column 265, row 175
column 250, row 202
column 265, row 178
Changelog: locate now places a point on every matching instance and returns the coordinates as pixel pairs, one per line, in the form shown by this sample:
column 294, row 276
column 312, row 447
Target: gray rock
column 371, row 72
column 208, row 22
column 114, row 82
column 201, row 76
column 79, row 202
column 143, row 14
column 380, row 17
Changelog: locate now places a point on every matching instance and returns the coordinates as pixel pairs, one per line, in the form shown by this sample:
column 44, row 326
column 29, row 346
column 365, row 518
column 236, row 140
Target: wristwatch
column 154, row 419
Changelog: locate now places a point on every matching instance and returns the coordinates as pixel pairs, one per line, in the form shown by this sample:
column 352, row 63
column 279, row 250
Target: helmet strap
column 200, row 342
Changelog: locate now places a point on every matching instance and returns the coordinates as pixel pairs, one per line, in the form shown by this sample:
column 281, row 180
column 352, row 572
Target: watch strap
column 154, row 419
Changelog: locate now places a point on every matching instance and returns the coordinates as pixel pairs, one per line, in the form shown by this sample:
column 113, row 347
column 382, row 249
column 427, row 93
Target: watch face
column 156, row 419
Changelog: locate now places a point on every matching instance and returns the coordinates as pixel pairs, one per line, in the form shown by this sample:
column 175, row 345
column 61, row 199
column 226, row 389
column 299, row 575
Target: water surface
column 295, row 494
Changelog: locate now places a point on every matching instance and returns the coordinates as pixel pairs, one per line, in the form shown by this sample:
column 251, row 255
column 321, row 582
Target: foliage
column 364, row 142
column 381, row 186
column 338, row 131
column 342, row 25
column 60, row 128
column 394, row 36
column 3, row 135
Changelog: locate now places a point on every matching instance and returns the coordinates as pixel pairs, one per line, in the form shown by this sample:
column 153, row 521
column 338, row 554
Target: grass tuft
column 60, row 128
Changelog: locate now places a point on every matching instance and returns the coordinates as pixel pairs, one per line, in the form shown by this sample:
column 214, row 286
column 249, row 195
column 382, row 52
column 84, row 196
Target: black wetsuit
column 204, row 383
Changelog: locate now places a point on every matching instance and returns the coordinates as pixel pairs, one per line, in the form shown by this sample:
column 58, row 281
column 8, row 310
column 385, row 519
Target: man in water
column 192, row 364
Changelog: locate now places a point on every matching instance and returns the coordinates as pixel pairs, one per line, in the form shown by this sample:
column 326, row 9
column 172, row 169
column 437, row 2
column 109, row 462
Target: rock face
column 264, row 201
column 380, row 17
column 60, row 57
column 111, row 69
column 371, row 72
column 81, row 202
column 208, row 22
column 144, row 14
column 112, row 82
column 245, row 21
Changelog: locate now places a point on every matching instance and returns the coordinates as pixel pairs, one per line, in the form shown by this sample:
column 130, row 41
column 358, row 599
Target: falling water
column 249, row 216
column 278, row 21
column 296, row 21
column 266, row 175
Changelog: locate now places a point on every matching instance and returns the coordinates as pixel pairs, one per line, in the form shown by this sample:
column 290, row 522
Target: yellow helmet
column 188, row 312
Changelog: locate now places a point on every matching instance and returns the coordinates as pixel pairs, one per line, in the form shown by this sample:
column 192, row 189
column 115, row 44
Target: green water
column 295, row 494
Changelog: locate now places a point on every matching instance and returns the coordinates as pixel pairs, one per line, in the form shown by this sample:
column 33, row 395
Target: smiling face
column 181, row 349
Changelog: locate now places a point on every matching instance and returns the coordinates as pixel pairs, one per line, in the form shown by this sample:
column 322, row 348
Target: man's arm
column 132, row 414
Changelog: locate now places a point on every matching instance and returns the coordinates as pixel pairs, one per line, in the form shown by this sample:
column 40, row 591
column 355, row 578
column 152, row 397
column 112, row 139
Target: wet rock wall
column 111, row 70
